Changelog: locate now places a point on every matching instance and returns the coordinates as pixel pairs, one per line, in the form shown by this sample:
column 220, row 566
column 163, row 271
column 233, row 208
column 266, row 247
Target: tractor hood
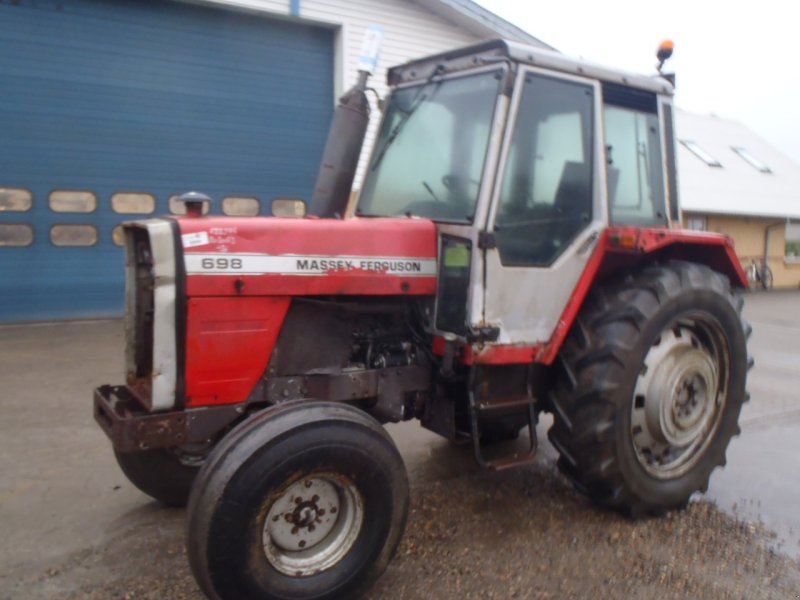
column 258, row 256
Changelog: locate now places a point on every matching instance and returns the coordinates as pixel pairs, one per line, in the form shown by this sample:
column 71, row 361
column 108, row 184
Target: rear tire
column 653, row 381
column 766, row 278
column 307, row 500
column 159, row 473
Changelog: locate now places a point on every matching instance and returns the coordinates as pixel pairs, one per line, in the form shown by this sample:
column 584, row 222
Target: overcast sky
column 732, row 58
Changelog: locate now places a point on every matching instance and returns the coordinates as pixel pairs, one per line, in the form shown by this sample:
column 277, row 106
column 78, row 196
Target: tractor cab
column 523, row 157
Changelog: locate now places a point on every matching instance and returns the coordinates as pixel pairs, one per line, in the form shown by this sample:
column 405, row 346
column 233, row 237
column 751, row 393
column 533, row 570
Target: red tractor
column 515, row 249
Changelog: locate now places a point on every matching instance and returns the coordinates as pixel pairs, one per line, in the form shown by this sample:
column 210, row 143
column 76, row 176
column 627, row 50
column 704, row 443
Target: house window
column 15, row 200
column 73, row 201
column 792, row 251
column 697, row 223
column 701, row 154
column 751, row 160
column 133, row 203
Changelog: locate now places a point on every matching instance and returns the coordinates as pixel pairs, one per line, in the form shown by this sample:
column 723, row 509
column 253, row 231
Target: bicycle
column 759, row 274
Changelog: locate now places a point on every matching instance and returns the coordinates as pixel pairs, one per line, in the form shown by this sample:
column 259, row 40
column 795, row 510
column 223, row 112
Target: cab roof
column 495, row 51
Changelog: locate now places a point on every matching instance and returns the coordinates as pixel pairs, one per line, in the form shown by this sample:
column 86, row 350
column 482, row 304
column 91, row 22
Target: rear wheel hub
column 677, row 401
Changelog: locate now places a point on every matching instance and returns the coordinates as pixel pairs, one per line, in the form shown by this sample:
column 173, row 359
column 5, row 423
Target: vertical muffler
column 346, row 137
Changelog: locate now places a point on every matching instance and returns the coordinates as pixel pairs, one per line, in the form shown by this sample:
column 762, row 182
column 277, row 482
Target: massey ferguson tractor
column 515, row 249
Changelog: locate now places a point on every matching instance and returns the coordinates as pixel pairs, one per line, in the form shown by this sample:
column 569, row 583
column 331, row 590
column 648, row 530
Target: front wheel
column 304, row 501
column 653, row 383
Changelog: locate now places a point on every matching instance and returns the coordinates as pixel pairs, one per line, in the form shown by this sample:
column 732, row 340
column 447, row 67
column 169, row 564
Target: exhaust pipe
column 345, row 138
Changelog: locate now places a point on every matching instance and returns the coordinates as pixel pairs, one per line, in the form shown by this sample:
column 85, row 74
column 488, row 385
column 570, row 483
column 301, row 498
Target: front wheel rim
column 312, row 523
column 680, row 397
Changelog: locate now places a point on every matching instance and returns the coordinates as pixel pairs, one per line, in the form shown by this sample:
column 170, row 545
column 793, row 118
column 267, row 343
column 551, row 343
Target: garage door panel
column 151, row 96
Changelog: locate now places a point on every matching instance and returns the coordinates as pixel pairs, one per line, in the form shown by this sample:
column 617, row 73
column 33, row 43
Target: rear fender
column 626, row 247
column 619, row 249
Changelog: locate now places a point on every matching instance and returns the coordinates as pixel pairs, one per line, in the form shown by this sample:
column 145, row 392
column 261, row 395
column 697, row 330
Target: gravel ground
column 515, row 534
column 73, row 528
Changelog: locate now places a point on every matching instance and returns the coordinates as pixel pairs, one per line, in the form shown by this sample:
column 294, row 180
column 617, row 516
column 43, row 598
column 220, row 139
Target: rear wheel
column 652, row 386
column 766, row 278
column 303, row 501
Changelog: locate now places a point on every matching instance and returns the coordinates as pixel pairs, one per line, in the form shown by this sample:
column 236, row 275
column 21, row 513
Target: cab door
column 547, row 205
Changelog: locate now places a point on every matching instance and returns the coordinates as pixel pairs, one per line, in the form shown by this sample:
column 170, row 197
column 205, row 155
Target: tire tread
column 587, row 401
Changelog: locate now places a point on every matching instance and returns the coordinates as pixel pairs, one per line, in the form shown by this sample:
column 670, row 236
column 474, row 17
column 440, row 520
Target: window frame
column 657, row 179
column 598, row 214
column 487, row 169
column 747, row 156
column 701, row 153
column 700, row 220
column 670, row 152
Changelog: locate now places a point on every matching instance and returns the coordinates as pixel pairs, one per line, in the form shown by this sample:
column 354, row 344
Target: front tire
column 653, row 382
column 307, row 500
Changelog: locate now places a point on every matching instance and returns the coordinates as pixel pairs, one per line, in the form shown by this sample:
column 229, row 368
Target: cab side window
column 634, row 169
column 546, row 196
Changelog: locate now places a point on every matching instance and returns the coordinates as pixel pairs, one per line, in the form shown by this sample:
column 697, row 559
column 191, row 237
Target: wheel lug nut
column 308, row 484
column 333, row 509
column 315, row 498
column 302, row 543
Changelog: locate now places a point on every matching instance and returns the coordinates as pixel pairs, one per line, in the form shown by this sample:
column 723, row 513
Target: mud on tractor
column 515, row 249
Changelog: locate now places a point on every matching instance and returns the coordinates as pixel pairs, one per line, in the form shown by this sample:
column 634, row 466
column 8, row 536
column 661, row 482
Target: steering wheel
column 459, row 183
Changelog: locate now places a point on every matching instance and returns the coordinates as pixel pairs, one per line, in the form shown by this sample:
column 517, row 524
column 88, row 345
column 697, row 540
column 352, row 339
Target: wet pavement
column 72, row 526
column 762, row 478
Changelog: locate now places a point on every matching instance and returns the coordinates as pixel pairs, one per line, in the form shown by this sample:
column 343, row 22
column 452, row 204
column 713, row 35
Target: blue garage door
column 109, row 108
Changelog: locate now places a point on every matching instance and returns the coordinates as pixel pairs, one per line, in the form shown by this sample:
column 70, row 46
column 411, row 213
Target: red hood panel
column 227, row 256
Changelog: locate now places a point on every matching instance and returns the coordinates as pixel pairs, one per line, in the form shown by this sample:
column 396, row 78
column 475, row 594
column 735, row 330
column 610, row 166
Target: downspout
column 768, row 238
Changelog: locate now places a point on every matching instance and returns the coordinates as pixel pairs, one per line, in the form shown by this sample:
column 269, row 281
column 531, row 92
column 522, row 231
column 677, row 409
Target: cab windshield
column 428, row 160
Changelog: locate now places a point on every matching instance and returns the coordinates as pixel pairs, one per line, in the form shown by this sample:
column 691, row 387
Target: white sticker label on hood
column 191, row 240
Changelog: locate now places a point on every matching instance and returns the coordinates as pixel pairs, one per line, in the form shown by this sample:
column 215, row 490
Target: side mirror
column 288, row 207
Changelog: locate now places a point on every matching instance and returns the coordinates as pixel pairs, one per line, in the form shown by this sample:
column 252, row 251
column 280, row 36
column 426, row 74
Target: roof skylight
column 754, row 162
column 701, row 154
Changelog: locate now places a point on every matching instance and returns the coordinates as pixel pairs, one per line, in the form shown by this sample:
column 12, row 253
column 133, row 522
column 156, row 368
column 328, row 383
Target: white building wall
column 410, row 31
